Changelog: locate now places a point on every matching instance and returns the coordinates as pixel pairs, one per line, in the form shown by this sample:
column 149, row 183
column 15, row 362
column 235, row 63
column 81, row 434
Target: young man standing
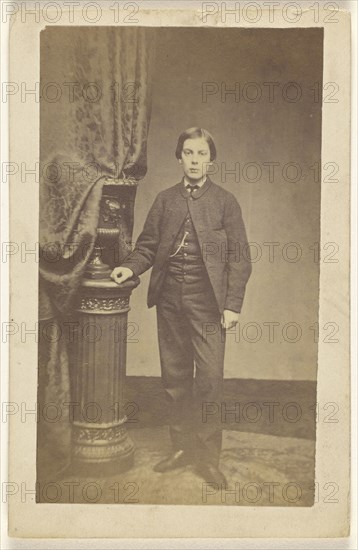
column 195, row 240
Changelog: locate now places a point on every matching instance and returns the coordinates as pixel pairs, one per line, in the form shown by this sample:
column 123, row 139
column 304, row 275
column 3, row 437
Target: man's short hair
column 192, row 133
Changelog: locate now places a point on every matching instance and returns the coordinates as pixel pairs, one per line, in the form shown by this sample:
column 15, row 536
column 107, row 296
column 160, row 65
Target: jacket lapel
column 203, row 189
column 176, row 210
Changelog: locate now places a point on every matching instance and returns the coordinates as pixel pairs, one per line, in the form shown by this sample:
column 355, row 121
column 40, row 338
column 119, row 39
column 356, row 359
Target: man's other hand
column 121, row 274
column 229, row 319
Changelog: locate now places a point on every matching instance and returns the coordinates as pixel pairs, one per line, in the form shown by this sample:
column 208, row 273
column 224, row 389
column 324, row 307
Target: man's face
column 195, row 158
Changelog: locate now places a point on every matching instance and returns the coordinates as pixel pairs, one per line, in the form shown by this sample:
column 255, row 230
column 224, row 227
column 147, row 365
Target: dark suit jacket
column 217, row 219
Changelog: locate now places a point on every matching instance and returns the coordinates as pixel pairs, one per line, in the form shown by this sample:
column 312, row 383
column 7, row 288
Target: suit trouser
column 190, row 333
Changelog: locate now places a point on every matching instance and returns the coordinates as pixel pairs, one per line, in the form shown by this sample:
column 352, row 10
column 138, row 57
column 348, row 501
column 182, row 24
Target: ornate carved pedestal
column 99, row 434
column 100, row 443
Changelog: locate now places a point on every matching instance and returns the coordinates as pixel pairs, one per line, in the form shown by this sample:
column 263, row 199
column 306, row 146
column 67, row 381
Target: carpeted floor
column 268, row 460
column 261, row 470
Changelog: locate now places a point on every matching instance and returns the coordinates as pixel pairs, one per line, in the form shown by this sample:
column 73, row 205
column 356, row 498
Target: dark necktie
column 191, row 188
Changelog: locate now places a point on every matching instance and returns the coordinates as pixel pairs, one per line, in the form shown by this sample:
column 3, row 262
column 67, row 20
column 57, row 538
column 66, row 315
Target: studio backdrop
column 125, row 96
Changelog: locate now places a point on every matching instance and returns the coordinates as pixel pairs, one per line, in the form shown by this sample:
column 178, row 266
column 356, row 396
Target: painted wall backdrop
column 269, row 135
column 258, row 92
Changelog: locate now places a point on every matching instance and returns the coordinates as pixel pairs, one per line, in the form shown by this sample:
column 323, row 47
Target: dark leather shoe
column 210, row 473
column 175, row 460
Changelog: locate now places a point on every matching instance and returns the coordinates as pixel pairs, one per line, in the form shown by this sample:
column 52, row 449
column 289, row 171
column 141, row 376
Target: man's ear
column 180, row 161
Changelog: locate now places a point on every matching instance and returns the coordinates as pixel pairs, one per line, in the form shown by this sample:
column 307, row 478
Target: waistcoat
column 185, row 261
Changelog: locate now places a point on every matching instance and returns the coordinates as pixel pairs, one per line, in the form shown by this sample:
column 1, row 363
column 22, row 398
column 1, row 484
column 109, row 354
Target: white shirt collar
column 200, row 182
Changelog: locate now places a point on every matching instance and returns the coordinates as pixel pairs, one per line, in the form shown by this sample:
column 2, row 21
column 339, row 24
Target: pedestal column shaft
column 99, row 433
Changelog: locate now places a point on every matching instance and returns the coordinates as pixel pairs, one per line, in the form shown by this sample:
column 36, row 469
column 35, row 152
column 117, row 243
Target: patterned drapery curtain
column 94, row 118
column 95, row 113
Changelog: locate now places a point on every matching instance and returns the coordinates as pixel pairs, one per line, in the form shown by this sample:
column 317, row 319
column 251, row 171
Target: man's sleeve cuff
column 234, row 305
column 132, row 266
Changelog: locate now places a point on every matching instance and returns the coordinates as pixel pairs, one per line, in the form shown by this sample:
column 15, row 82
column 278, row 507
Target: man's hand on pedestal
column 121, row 274
column 229, row 319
